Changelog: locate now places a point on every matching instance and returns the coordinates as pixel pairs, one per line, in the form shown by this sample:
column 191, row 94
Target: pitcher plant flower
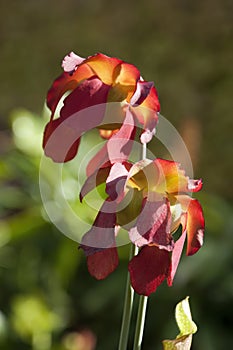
column 160, row 203
column 97, row 81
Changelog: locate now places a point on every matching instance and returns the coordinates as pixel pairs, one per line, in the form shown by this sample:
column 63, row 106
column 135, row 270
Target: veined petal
column 104, row 67
column 153, row 225
column 66, row 82
column 195, row 227
column 102, row 263
column 60, row 142
column 149, row 269
column 71, row 61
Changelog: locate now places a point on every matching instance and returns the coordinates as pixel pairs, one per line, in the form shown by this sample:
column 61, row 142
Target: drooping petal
column 71, row 61
column 176, row 255
column 104, row 67
column 153, row 225
column 102, row 263
column 66, row 82
column 60, row 142
column 195, row 227
column 102, row 233
column 117, row 148
column 152, row 101
column 149, row 269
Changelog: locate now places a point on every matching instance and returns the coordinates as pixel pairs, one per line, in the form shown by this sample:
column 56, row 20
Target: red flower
column 161, row 202
column 92, row 82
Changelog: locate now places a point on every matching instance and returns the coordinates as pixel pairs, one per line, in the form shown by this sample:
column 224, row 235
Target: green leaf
column 186, row 326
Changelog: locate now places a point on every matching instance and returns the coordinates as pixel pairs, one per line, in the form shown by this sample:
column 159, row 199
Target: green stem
column 128, row 306
column 142, row 299
column 140, row 322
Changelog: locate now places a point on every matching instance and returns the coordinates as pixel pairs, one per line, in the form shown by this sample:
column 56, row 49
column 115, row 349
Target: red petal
column 195, row 227
column 102, row 263
column 176, row 255
column 152, row 101
column 91, row 92
column 149, row 269
column 66, row 82
column 60, row 142
column 195, row 185
column 117, row 148
column 153, row 225
column 94, row 180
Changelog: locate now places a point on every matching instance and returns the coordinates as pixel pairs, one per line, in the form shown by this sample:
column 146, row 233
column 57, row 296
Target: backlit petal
column 104, row 67
column 115, row 183
column 195, row 227
column 153, row 225
column 149, row 269
column 71, row 61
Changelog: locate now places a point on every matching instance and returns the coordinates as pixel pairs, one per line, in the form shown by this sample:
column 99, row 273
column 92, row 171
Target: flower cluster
column 149, row 199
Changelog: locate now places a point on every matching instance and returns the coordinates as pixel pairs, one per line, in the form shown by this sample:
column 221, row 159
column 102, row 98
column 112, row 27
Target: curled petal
column 149, row 269
column 195, row 227
column 142, row 91
column 102, row 263
column 195, row 185
column 152, row 100
column 153, row 225
column 71, row 61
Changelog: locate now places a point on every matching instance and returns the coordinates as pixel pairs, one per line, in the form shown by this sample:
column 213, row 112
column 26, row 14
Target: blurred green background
column 47, row 299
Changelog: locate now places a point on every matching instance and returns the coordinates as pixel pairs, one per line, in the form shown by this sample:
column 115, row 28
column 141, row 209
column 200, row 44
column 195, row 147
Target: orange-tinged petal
column 128, row 74
column 195, row 227
column 172, row 178
column 104, row 67
column 152, row 101
column 106, row 134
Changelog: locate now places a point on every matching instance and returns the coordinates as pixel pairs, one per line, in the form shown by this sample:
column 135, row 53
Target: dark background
column 47, row 299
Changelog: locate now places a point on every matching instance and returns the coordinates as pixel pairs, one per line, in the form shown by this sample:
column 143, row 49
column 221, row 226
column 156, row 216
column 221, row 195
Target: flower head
column 160, row 203
column 92, row 83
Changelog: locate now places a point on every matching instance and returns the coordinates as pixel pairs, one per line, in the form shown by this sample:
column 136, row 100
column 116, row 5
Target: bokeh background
column 47, row 299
